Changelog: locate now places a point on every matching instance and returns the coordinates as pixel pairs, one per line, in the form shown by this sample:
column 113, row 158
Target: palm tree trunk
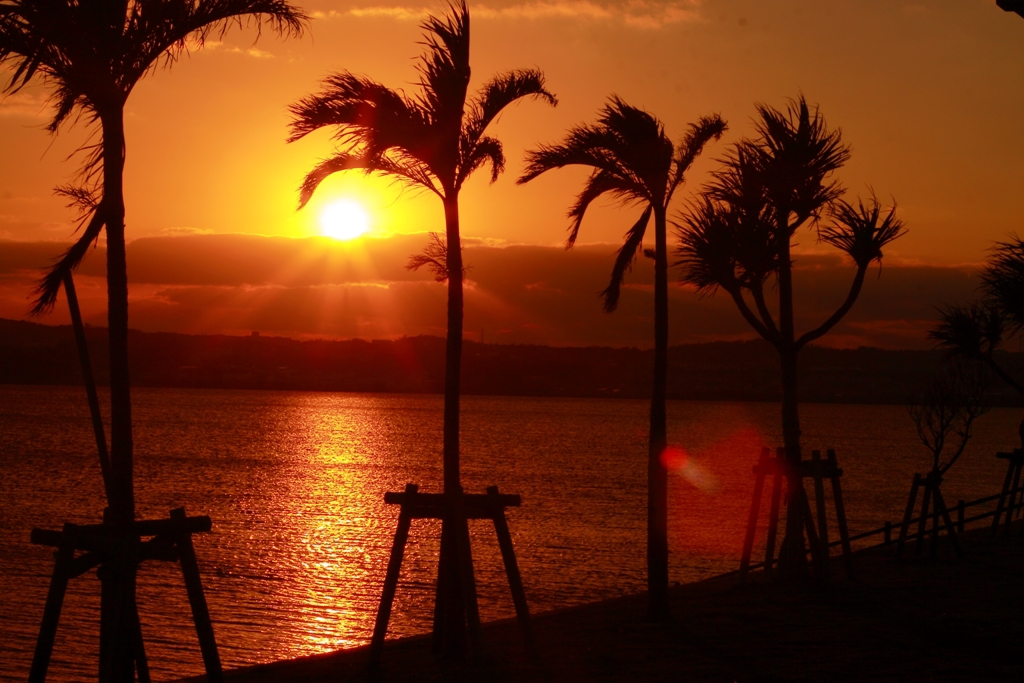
column 657, row 477
column 117, row 574
column 792, row 554
column 121, row 446
column 449, row 609
column 453, row 348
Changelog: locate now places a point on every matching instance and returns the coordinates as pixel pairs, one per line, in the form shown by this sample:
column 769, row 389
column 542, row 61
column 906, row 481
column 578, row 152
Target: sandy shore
column 915, row 620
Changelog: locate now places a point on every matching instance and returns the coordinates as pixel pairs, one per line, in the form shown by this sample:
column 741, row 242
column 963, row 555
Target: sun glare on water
column 344, row 220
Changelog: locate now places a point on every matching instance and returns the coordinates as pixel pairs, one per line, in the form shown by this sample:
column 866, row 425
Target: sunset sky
column 930, row 95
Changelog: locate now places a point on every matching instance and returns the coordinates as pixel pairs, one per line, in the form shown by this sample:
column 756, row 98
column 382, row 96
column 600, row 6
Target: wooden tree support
column 454, row 511
column 117, row 554
column 818, row 470
column 933, row 505
column 1011, row 497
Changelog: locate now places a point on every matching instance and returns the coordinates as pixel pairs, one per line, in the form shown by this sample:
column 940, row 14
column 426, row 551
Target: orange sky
column 930, row 95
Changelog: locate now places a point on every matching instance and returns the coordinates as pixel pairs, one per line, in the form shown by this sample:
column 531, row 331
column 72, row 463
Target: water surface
column 294, row 483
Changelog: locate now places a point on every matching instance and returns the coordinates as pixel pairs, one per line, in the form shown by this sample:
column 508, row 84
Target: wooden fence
column 962, row 520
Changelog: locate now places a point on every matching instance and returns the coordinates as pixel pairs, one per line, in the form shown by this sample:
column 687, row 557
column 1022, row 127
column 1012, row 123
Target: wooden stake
column 755, row 508
column 387, row 598
column 1011, row 465
column 515, row 580
column 141, row 662
column 837, row 499
column 1011, row 510
column 773, row 513
column 908, row 515
column 54, row 603
column 812, row 538
column 922, row 523
column 949, row 523
column 466, row 577
column 456, row 611
column 819, row 499
column 197, row 601
column 449, row 636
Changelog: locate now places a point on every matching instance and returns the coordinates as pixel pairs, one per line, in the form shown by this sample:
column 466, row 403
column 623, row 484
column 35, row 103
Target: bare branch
column 945, row 410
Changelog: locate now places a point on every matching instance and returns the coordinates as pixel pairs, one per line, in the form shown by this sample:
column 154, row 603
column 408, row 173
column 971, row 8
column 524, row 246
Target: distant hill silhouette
column 31, row 353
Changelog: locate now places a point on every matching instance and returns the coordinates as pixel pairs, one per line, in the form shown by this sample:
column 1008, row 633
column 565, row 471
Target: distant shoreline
column 34, row 354
column 465, row 394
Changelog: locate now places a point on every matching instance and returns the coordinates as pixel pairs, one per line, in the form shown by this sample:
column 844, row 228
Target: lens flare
column 675, row 459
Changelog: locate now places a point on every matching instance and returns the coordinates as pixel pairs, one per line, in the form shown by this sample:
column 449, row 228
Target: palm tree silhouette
column 977, row 330
column 635, row 162
column 740, row 234
column 92, row 54
column 434, row 141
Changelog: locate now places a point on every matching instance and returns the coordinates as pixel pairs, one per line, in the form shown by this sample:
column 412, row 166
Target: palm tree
column 740, row 234
column 976, row 330
column 635, row 162
column 92, row 54
column 433, row 141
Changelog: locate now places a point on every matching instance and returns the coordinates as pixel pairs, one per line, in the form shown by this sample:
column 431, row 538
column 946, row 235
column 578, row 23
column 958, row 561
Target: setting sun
column 344, row 219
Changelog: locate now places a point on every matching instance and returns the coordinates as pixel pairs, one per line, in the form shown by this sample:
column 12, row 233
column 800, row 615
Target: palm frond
column 428, row 138
column 369, row 119
column 377, row 130
column 49, row 286
column 624, row 260
column 357, row 106
column 92, row 54
column 166, row 29
column 583, row 146
column 434, row 256
column 861, row 231
column 1003, row 281
column 973, row 330
column 444, row 79
column 639, row 143
column 798, row 153
column 599, row 183
column 740, row 182
column 404, row 168
column 486, row 149
column 82, row 199
column 699, row 134
column 626, row 143
column 503, row 90
column 706, row 250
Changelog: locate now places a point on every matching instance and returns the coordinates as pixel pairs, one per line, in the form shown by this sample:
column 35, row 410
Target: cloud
column 645, row 14
column 25, row 104
column 175, row 231
column 310, row 287
column 194, row 44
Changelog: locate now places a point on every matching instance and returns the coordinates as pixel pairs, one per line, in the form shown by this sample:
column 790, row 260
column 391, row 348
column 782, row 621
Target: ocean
column 294, row 483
